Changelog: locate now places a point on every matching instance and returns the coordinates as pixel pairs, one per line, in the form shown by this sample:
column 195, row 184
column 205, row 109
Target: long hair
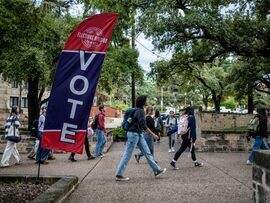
column 262, row 114
column 14, row 110
column 149, row 110
column 141, row 101
column 157, row 114
column 189, row 111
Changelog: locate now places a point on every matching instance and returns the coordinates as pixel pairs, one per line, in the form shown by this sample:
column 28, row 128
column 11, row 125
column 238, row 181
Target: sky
column 147, row 54
column 144, row 46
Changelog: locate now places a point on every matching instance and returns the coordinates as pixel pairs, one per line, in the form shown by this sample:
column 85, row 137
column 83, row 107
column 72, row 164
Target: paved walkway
column 224, row 177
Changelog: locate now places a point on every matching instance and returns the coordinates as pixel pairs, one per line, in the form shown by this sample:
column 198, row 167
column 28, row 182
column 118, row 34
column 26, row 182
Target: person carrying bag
column 12, row 136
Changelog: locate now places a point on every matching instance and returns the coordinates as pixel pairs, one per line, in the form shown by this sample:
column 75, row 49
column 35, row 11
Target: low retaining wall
column 261, row 176
column 28, row 142
column 217, row 141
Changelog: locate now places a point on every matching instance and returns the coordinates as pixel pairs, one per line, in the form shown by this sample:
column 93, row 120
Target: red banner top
column 93, row 34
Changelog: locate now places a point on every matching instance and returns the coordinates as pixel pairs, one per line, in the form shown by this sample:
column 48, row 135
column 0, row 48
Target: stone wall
column 28, row 142
column 220, row 121
column 261, row 176
column 218, row 141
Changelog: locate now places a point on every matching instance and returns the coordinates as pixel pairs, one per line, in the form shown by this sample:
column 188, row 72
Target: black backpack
column 95, row 122
column 34, row 129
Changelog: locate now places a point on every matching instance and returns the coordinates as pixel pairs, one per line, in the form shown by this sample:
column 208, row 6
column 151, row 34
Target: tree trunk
column 250, row 102
column 205, row 101
column 216, row 100
column 32, row 96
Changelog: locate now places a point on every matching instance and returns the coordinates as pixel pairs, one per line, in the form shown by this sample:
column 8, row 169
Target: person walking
column 150, row 123
column 42, row 153
column 158, row 124
column 86, row 144
column 11, row 149
column 260, row 133
column 135, row 138
column 171, row 122
column 100, row 132
column 189, row 139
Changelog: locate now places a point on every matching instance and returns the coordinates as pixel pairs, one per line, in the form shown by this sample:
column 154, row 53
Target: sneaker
column 159, row 173
column 72, row 159
column 174, row 166
column 170, row 150
column 173, row 150
column 91, row 158
column 51, row 158
column 137, row 157
column 198, row 164
column 31, row 157
column 249, row 162
column 4, row 165
column 45, row 162
column 121, row 178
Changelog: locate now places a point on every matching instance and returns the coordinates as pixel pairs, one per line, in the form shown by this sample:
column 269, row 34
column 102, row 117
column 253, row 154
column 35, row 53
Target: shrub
column 119, row 134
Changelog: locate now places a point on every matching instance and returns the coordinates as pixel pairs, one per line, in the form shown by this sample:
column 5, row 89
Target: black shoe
column 91, row 158
column 121, row 178
column 198, row 164
column 72, row 159
column 173, row 165
column 159, row 173
column 137, row 157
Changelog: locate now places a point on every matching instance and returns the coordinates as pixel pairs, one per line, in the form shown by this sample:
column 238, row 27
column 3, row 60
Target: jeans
column 42, row 153
column 134, row 140
column 150, row 143
column 101, row 141
column 258, row 142
column 171, row 140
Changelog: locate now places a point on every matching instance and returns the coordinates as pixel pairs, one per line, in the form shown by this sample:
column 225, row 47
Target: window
column 14, row 101
column 24, row 102
column 14, row 84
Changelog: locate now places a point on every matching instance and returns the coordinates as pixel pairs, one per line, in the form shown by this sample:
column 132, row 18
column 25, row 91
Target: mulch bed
column 20, row 191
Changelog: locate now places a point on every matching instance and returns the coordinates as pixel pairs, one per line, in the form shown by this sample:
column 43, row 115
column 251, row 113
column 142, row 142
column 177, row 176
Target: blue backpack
column 128, row 118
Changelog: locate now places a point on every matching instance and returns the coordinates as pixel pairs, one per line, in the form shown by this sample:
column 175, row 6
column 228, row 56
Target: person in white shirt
column 171, row 121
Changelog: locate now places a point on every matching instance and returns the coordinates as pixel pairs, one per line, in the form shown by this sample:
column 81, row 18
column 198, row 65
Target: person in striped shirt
column 11, row 149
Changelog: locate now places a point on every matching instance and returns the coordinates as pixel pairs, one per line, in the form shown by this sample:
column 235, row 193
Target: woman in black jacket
column 150, row 123
column 260, row 134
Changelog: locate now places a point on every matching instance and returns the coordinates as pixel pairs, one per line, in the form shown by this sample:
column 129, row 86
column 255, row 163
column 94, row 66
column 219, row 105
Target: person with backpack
column 170, row 123
column 99, row 126
column 259, row 133
column 150, row 123
column 158, row 124
column 187, row 129
column 11, row 129
column 135, row 138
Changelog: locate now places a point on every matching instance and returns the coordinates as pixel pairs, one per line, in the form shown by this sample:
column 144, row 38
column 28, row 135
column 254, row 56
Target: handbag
column 12, row 135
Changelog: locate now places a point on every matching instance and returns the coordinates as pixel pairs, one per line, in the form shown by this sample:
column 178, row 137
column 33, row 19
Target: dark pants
column 42, row 153
column 86, row 146
column 186, row 143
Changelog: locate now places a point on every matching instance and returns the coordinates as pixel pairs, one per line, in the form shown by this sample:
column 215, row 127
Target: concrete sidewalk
column 224, row 177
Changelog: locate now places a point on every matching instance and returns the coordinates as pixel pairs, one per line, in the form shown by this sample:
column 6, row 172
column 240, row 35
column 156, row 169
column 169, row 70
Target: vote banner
column 75, row 84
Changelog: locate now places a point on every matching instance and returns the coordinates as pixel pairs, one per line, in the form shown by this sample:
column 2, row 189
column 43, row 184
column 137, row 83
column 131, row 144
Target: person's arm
column 192, row 126
column 101, row 122
column 142, row 123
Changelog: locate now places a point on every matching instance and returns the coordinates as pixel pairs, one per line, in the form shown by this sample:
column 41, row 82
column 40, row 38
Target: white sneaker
column 249, row 162
column 173, row 150
column 170, row 150
column 4, row 165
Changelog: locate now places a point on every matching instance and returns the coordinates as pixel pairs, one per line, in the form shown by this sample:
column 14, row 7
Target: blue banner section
column 73, row 91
